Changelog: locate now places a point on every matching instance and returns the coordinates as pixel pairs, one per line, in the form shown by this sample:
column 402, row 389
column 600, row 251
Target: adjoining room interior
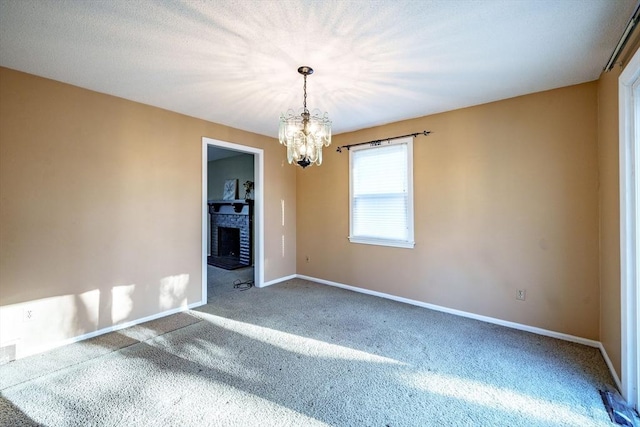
column 319, row 213
column 230, row 232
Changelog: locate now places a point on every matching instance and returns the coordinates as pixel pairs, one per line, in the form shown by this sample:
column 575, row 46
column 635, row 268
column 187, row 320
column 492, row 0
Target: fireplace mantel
column 238, row 204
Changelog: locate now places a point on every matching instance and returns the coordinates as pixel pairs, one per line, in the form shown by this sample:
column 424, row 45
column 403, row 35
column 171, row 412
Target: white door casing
column 258, row 196
column 629, row 113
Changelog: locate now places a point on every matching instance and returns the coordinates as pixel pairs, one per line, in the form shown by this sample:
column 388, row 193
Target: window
column 381, row 193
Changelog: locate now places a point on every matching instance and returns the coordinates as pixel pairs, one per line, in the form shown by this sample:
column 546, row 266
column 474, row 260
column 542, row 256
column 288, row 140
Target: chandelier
column 305, row 133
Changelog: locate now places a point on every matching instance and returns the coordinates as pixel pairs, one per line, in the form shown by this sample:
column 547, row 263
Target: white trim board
column 114, row 328
column 103, row 331
column 610, row 366
column 279, row 280
column 513, row 325
column 629, row 148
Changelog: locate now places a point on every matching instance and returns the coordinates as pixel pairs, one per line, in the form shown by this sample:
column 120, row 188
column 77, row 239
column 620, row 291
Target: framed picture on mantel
column 230, row 189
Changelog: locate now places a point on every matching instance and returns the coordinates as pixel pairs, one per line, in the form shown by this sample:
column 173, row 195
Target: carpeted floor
column 303, row 354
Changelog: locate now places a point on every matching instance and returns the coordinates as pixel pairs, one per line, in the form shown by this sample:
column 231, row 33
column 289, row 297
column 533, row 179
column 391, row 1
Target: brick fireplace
column 231, row 224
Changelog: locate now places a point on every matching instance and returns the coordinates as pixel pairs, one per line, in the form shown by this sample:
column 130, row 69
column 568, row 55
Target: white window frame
column 409, row 243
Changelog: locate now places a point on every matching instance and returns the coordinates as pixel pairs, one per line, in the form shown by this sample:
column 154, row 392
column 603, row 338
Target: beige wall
column 506, row 198
column 609, row 215
column 608, row 160
column 100, row 209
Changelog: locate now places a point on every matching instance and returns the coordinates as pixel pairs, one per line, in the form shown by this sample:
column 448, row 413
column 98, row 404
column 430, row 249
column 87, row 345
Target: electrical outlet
column 521, row 294
column 28, row 315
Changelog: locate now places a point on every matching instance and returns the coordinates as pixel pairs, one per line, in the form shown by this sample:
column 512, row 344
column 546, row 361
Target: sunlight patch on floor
column 297, row 344
column 497, row 398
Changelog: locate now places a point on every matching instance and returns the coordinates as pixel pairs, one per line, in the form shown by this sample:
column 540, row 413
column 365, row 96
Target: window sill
column 382, row 242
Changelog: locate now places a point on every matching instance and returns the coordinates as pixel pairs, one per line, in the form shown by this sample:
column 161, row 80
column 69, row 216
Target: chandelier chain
column 305, row 92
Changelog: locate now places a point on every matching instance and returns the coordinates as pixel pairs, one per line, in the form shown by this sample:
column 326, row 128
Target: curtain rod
column 379, row 141
column 623, row 39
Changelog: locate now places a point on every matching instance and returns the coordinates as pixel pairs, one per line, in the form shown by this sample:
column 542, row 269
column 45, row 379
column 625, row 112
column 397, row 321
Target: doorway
column 629, row 111
column 255, row 273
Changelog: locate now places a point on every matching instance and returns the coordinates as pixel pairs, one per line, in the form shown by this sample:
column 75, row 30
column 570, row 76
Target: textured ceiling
column 235, row 62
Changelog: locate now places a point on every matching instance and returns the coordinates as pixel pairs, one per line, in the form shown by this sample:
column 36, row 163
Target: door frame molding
column 629, row 230
column 258, row 194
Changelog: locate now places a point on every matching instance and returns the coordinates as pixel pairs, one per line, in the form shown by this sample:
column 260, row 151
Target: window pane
column 380, row 170
column 382, row 217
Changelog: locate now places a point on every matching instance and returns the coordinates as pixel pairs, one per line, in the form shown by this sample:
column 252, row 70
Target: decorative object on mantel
column 380, row 141
column 305, row 133
column 248, row 188
column 230, row 189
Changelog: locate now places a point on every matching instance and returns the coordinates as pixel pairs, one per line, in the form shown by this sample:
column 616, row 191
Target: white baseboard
column 493, row 320
column 52, row 346
column 513, row 325
column 610, row 365
column 279, row 280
